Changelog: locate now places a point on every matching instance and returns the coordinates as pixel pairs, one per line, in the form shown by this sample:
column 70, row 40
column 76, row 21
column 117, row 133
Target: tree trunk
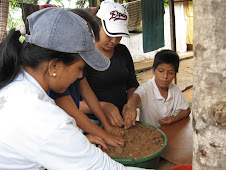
column 4, row 10
column 209, row 101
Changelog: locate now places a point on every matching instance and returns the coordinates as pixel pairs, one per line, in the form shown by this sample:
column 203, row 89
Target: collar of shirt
column 35, row 85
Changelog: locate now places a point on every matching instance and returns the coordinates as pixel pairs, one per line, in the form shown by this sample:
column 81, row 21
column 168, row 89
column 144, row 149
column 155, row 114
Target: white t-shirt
column 154, row 107
column 36, row 133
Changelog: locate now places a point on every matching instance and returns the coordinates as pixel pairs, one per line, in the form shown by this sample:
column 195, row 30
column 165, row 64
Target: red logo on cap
column 115, row 15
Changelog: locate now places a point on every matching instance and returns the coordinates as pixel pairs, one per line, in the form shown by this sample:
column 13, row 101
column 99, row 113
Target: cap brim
column 96, row 60
column 114, row 30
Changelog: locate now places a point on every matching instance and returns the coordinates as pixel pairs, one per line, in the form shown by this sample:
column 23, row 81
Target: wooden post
column 172, row 29
column 172, row 25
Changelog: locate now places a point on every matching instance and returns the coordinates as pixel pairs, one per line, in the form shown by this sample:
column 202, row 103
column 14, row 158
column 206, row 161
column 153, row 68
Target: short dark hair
column 90, row 19
column 167, row 57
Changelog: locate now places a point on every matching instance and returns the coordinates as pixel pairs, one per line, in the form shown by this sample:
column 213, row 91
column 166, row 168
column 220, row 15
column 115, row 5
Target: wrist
column 131, row 107
column 175, row 119
column 106, row 125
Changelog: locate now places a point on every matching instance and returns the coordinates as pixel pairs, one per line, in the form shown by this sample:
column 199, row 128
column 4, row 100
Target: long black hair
column 14, row 55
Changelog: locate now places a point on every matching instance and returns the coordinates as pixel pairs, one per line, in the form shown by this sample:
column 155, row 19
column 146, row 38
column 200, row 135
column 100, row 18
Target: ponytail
column 10, row 66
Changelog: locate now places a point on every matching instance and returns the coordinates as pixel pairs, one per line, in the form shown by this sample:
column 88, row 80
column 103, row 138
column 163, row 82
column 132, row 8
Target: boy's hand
column 172, row 119
column 129, row 116
column 167, row 120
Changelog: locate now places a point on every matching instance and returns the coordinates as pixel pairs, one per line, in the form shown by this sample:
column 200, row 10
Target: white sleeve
column 180, row 102
column 68, row 148
column 142, row 90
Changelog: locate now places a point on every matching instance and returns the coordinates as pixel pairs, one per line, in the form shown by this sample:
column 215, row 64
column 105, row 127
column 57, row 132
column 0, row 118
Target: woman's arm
column 130, row 91
column 83, row 122
column 91, row 101
column 110, row 110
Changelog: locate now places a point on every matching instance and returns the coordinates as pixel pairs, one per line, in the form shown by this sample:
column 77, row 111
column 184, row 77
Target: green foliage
column 166, row 3
column 15, row 3
column 61, row 0
column 12, row 22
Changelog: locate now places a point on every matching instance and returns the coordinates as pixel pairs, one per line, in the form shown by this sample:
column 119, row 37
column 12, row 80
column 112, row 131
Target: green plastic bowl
column 151, row 161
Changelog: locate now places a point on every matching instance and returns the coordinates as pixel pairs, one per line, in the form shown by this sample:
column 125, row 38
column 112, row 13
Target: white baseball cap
column 114, row 18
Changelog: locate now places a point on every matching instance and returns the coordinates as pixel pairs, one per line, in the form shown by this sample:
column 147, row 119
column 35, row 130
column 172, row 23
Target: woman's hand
column 114, row 140
column 112, row 113
column 115, row 130
column 96, row 141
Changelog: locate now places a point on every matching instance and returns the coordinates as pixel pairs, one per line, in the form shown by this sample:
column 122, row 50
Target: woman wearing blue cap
column 69, row 100
column 34, row 132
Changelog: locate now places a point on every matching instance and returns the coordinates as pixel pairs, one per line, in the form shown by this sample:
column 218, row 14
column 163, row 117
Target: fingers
column 111, row 120
column 115, row 118
column 118, row 120
column 129, row 124
column 100, row 143
column 124, row 109
column 129, row 120
column 96, row 141
column 114, row 140
column 117, row 130
column 121, row 142
column 113, row 115
column 129, row 116
column 165, row 121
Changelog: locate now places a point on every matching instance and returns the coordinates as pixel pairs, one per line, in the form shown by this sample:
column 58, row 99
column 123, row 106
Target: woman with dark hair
column 34, row 132
column 69, row 100
column 116, row 84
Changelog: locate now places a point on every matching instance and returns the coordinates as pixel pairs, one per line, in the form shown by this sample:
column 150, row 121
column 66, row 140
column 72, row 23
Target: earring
column 54, row 74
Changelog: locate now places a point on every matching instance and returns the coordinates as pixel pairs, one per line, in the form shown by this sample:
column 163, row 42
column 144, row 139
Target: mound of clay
column 140, row 141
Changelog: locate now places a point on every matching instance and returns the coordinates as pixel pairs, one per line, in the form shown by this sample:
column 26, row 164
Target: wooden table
column 179, row 141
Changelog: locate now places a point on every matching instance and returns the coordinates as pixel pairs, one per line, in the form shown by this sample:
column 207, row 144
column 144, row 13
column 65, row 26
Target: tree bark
column 209, row 101
column 4, row 10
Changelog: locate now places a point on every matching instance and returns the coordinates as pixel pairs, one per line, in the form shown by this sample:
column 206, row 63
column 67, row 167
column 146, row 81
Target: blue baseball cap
column 61, row 30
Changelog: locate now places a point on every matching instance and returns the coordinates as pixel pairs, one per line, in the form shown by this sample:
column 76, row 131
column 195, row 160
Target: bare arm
column 110, row 110
column 69, row 106
column 91, row 102
column 130, row 92
column 130, row 113
column 172, row 119
column 104, row 111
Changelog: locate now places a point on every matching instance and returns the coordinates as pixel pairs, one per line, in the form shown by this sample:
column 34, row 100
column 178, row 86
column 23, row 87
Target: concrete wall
column 135, row 41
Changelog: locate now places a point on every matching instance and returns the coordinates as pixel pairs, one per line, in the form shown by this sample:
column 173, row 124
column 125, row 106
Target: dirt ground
column 140, row 141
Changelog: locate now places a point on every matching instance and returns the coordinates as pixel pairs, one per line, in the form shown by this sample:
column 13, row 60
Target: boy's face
column 164, row 75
